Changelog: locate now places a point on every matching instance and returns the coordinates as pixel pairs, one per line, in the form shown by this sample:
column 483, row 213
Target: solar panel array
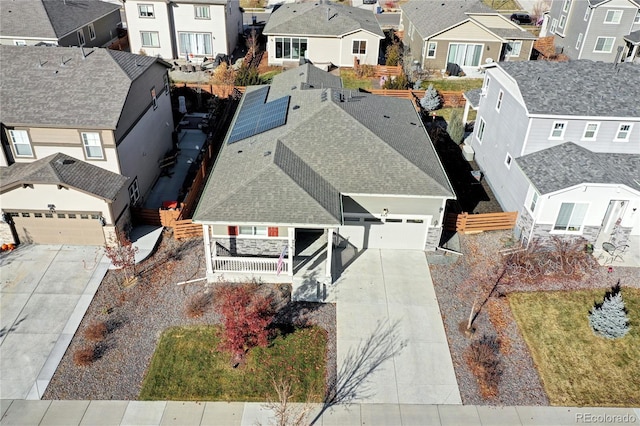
column 256, row 116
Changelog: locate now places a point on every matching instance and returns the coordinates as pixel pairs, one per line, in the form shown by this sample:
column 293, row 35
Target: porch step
column 312, row 289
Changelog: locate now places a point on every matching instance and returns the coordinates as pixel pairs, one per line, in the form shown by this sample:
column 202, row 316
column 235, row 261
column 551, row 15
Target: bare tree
column 122, row 254
column 286, row 412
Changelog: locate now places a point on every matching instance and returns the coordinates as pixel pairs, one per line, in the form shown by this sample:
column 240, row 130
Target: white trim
column 86, row 143
column 157, row 33
column 500, row 99
column 553, row 129
column 614, row 22
column 595, row 132
column 359, row 46
column 587, row 14
column 81, row 39
column 13, row 143
column 435, row 50
column 360, row 194
column 583, row 117
column 251, row 237
column 92, row 31
column 579, row 41
column 616, row 139
column 481, row 123
column 604, row 51
column 554, row 25
column 567, row 231
column 19, row 43
column 526, row 137
column 514, row 42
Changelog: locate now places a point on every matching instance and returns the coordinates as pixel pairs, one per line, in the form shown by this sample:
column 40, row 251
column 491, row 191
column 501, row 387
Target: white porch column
column 291, row 232
column 634, row 52
column 465, row 115
column 207, row 249
column 329, row 253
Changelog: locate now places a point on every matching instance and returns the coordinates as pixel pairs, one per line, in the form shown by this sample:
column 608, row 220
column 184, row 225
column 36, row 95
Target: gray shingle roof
column 512, row 34
column 568, row 164
column 308, row 76
column 295, row 173
column 311, row 19
column 61, row 169
column 474, row 97
column 582, row 87
column 49, row 18
column 633, row 37
column 431, row 17
column 36, row 89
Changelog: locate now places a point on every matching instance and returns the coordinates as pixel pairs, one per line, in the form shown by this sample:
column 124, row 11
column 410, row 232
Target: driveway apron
column 394, row 288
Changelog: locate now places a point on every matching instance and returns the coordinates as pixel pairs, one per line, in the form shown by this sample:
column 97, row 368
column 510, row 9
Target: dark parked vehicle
column 521, row 18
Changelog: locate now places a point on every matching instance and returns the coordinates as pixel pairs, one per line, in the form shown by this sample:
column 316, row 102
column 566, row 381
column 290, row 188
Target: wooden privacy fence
column 467, row 223
column 390, row 71
column 186, row 229
column 155, row 217
column 450, row 99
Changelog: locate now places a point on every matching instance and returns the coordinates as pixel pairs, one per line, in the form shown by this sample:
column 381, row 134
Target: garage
column 46, row 227
column 392, row 233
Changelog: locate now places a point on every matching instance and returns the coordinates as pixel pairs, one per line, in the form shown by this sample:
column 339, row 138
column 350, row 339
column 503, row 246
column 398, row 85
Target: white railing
column 258, row 265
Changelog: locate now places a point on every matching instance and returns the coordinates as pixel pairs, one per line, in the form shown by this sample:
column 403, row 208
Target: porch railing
column 258, row 265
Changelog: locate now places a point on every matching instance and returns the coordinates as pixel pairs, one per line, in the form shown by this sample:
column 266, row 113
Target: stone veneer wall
column 232, row 246
column 433, row 238
column 543, row 232
column 523, row 225
column 6, row 236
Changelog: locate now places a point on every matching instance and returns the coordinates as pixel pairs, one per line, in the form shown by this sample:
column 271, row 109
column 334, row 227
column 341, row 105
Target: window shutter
column 232, row 230
column 272, row 231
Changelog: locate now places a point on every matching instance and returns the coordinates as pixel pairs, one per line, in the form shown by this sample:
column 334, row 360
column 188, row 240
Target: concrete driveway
column 45, row 291
column 395, row 287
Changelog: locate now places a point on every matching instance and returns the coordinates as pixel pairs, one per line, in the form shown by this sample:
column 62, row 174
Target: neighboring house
column 323, row 33
column 183, row 28
column 594, row 29
column 559, row 142
column 90, row 23
column 108, row 110
column 305, row 156
column 466, row 33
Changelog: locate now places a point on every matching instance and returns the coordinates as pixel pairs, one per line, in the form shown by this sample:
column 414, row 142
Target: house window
column 590, row 131
column 202, row 12
column 252, row 230
column 480, row 133
column 465, row 55
column 290, row 48
column 92, row 146
column 604, row 44
column 154, row 101
column 554, row 25
column 499, row 103
column 557, row 131
column 431, row 49
column 486, row 83
column 636, row 20
column 624, row 132
column 195, row 43
column 507, row 160
column 359, row 47
column 514, row 48
column 566, row 5
column 80, row 37
column 92, row 32
column 570, row 217
column 19, row 42
column 150, row 38
column 587, row 13
column 613, row 17
column 134, row 192
column 145, row 11
column 563, row 20
column 20, row 142
column 534, row 201
column 579, row 41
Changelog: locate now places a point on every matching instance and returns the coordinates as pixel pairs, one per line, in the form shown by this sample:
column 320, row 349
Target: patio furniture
column 613, row 252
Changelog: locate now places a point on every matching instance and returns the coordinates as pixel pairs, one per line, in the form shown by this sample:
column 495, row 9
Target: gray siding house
column 529, row 112
column 594, row 29
column 466, row 33
column 306, row 160
column 90, row 23
column 107, row 109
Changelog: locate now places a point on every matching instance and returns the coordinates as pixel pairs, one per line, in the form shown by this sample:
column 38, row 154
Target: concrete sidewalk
column 138, row 413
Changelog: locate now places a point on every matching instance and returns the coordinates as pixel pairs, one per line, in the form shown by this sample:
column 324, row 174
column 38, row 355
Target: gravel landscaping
column 457, row 284
column 136, row 317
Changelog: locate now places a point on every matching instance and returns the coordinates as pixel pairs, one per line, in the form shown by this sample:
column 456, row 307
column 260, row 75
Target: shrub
column 431, row 99
column 398, row 83
column 247, row 76
column 96, row 331
column 198, row 304
column 483, row 359
column 84, row 356
column 609, row 319
column 455, row 127
column 393, row 54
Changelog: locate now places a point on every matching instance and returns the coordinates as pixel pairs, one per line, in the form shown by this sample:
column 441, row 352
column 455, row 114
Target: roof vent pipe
column 328, row 12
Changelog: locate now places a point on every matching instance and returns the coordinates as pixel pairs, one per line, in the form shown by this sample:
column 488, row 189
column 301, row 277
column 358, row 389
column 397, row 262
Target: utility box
column 467, row 152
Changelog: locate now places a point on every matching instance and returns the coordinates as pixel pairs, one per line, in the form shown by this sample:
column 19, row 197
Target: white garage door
column 392, row 234
column 43, row 227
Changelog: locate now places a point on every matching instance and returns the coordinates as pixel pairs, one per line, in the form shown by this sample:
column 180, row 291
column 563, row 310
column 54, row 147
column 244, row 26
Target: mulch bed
column 457, row 287
column 136, row 317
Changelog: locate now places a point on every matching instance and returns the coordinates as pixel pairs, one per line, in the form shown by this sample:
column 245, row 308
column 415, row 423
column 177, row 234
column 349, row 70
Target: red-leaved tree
column 246, row 316
column 122, row 254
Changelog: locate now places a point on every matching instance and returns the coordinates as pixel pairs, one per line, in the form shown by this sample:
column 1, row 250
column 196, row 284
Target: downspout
column 172, row 30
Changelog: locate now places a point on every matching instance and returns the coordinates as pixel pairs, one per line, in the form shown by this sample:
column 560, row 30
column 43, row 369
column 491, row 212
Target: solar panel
column 256, row 116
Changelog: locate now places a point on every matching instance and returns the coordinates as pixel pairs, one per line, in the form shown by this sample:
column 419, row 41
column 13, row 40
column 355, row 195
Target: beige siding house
column 73, row 120
column 323, row 33
column 468, row 34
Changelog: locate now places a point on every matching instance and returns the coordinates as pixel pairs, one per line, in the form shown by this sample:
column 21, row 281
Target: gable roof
column 568, row 164
column 61, row 169
column 432, row 17
column 37, row 89
column 323, row 19
column 577, row 88
column 334, row 142
column 307, row 76
column 49, row 18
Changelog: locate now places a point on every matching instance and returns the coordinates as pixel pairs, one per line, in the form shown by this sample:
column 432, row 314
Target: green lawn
column 453, row 84
column 577, row 367
column 350, row 81
column 188, row 366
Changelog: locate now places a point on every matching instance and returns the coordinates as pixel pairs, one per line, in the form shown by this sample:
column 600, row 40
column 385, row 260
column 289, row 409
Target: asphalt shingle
column 432, row 17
